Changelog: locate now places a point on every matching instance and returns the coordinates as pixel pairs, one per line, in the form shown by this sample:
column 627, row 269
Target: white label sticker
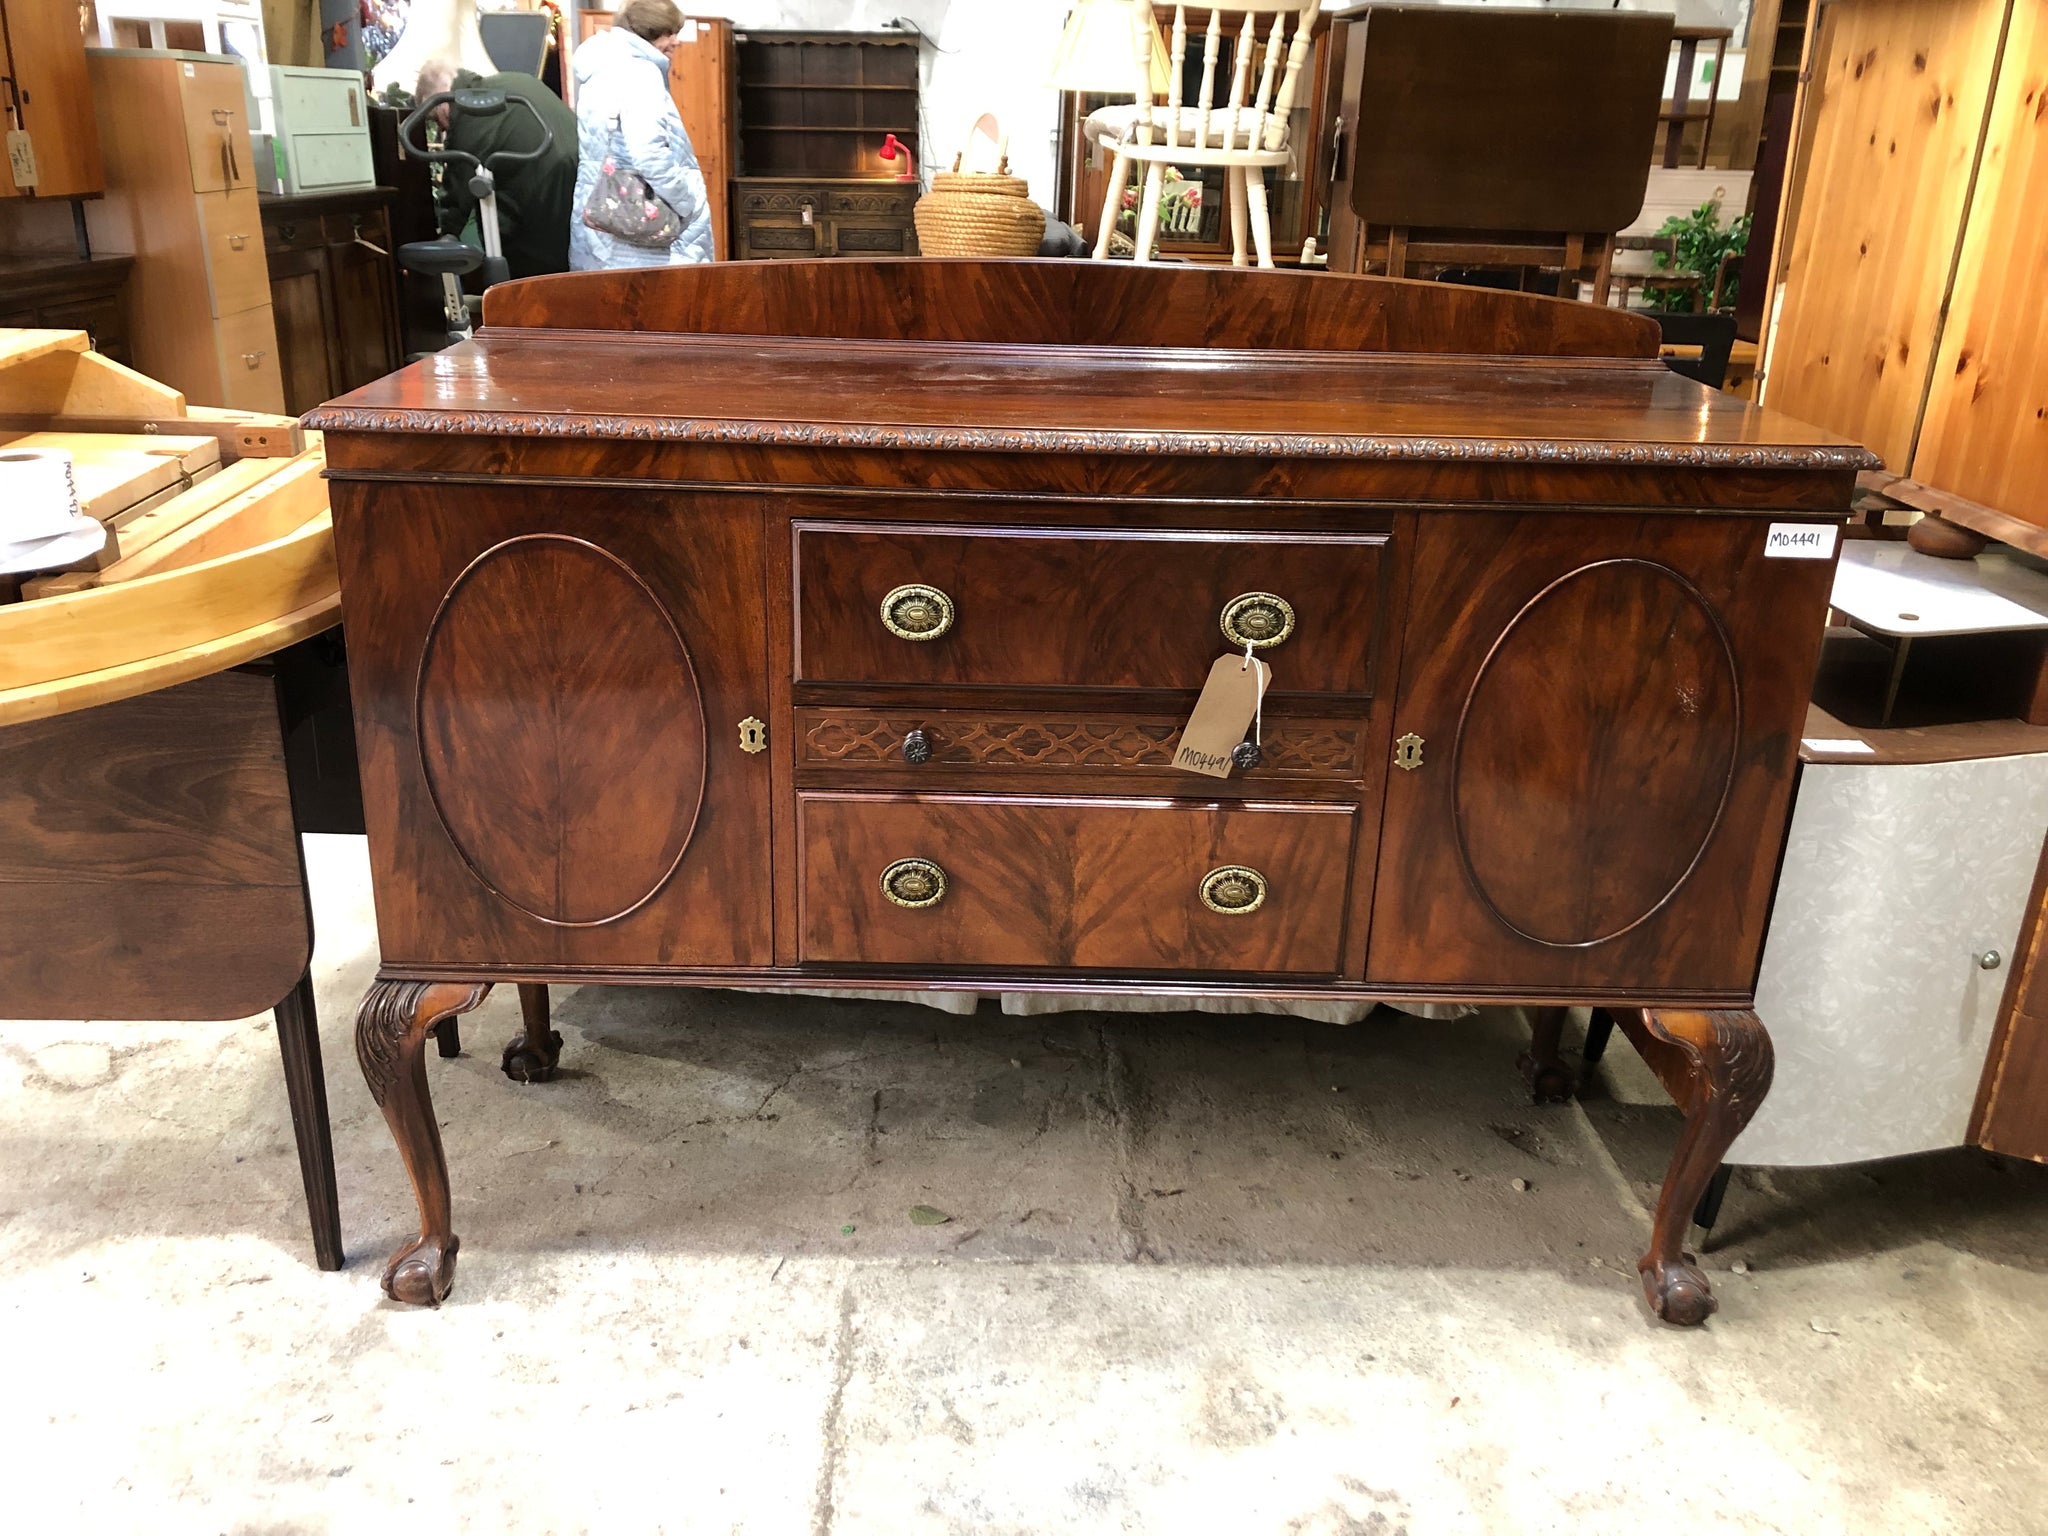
column 1829, row 744
column 190, row 73
column 21, row 159
column 1800, row 541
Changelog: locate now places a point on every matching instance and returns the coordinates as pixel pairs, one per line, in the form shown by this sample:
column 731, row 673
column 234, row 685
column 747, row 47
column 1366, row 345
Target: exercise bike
column 450, row 258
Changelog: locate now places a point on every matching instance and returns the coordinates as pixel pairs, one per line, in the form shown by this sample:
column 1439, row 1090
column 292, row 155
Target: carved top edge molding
column 1365, row 448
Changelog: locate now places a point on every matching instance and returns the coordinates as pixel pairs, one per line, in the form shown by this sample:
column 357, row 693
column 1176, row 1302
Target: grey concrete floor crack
column 1116, row 1091
column 832, row 1451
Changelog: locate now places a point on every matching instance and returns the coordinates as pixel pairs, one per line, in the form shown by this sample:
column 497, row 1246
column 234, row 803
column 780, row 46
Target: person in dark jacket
column 533, row 195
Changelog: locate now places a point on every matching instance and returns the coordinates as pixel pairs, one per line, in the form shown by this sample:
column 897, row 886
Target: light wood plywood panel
column 1986, row 430
column 1898, row 102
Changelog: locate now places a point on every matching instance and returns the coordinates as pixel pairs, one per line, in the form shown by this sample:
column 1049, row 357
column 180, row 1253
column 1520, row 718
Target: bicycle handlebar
column 475, row 104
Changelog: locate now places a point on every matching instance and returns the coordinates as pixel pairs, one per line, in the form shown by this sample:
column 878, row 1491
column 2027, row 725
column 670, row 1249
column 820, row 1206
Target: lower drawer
column 1041, row 883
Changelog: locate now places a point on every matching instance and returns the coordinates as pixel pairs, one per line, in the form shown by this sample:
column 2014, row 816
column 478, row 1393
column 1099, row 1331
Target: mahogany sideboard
column 833, row 625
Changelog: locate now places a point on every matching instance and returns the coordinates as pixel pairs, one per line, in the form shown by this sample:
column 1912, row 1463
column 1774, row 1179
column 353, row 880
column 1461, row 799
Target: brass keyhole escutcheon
column 1408, row 751
column 914, row 883
column 917, row 612
column 1256, row 619
column 753, row 735
column 1233, row 890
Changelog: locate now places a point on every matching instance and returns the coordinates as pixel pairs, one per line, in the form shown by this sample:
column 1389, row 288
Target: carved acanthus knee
column 1718, row 1064
column 391, row 1033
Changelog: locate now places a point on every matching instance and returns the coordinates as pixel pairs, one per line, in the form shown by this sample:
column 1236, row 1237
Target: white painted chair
column 1244, row 136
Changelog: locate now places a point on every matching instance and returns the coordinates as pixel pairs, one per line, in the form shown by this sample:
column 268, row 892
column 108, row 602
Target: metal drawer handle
column 917, row 612
column 236, row 242
column 1257, row 619
column 914, row 883
column 1233, row 890
column 252, row 358
column 1990, row 960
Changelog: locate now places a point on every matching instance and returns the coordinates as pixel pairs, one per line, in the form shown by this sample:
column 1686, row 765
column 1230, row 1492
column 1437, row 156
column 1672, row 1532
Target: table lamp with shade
column 1095, row 58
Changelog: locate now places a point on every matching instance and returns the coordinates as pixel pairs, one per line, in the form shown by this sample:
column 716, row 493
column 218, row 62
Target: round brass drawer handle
column 1233, row 890
column 914, row 883
column 1257, row 619
column 917, row 612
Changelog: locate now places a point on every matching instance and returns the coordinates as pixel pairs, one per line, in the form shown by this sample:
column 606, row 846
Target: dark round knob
column 917, row 747
column 1246, row 754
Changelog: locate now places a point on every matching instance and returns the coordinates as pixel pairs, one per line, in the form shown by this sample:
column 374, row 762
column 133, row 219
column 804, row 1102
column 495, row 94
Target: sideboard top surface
column 1034, row 357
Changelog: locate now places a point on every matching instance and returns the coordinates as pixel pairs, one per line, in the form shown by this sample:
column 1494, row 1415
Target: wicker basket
column 979, row 214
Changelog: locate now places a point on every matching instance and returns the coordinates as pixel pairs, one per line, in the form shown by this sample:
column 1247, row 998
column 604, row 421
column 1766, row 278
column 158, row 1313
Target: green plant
column 1701, row 245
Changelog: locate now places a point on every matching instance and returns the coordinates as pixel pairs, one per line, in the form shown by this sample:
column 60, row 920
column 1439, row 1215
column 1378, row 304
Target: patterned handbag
column 621, row 204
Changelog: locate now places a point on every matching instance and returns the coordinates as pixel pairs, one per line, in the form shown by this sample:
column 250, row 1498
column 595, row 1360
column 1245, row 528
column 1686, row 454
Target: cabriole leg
column 530, row 1057
column 1718, row 1066
column 391, row 1037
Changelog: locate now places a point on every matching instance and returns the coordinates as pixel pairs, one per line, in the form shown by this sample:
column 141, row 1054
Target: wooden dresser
column 181, row 199
column 691, row 647
column 333, row 291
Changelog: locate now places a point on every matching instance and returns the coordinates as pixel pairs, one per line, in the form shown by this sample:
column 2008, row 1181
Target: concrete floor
column 1198, row 1275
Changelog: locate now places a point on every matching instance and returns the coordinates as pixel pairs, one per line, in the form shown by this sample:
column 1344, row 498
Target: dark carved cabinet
column 834, row 625
column 333, row 292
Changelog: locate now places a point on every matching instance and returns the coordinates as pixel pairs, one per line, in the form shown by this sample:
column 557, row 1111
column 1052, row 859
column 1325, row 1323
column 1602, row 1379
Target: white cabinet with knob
column 1900, row 907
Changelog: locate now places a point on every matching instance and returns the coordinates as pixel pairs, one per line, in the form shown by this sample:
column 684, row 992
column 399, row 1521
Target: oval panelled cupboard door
column 1590, row 773
column 561, row 730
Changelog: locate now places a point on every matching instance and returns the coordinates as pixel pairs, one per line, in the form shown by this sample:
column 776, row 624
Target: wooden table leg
column 305, row 1085
column 1550, row 1079
column 1718, row 1066
column 391, row 1037
column 531, row 1056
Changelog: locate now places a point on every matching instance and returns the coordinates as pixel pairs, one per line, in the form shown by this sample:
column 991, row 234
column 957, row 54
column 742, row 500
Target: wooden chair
column 1244, row 136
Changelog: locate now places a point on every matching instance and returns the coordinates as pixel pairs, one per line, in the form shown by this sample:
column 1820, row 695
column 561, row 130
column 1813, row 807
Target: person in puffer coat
column 624, row 113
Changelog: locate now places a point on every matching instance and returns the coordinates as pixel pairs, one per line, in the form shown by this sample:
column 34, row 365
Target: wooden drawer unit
column 236, row 274
column 781, row 219
column 1120, row 885
column 1089, row 608
column 181, row 199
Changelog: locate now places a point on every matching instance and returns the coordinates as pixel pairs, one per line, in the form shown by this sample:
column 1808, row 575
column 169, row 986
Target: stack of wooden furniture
column 1477, row 138
column 181, row 199
column 151, row 866
column 1296, row 192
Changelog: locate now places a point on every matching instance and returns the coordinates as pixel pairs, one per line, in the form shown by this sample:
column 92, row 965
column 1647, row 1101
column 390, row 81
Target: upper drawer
column 1084, row 607
column 216, row 126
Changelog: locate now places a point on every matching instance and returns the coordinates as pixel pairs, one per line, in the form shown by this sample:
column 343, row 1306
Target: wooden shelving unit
column 815, row 109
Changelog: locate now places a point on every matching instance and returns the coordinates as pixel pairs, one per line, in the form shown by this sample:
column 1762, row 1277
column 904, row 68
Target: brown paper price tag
column 1222, row 714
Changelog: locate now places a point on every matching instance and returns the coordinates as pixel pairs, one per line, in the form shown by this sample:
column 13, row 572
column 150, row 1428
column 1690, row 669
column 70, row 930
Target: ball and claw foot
column 422, row 1273
column 525, row 1063
column 1550, row 1081
column 1678, row 1292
